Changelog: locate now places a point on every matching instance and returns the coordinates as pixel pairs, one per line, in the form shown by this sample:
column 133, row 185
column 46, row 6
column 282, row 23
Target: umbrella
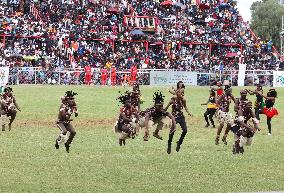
column 113, row 10
column 216, row 30
column 136, row 32
column 182, row 6
column 166, row 3
column 231, row 54
column 204, row 6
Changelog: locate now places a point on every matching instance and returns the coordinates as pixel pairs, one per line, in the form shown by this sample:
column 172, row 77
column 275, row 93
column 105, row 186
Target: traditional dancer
column 211, row 108
column 241, row 100
column 178, row 103
column 9, row 108
column 180, row 87
column 135, row 97
column 244, row 132
column 157, row 114
column 223, row 113
column 259, row 104
column 269, row 110
column 127, row 120
column 67, row 108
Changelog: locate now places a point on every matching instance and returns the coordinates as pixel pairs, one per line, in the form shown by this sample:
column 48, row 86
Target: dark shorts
column 235, row 129
column 244, row 132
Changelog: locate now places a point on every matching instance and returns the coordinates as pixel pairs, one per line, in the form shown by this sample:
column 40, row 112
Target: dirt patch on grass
column 52, row 123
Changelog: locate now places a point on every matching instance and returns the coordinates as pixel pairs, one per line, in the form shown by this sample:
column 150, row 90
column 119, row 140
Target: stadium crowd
column 196, row 35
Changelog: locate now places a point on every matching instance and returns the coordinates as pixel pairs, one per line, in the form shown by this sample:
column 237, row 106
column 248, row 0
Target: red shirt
column 88, row 70
column 104, row 72
column 113, row 71
column 220, row 91
column 133, row 70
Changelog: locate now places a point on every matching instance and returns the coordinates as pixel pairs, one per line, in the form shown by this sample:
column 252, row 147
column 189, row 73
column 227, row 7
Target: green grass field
column 96, row 163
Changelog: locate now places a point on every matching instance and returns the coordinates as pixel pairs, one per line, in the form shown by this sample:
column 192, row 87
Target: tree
column 267, row 20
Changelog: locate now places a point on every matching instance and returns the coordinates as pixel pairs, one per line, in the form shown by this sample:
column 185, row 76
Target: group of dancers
column 243, row 124
column 219, row 104
column 132, row 119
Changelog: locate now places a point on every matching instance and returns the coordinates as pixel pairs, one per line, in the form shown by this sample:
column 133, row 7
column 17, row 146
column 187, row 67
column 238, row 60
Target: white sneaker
column 269, row 134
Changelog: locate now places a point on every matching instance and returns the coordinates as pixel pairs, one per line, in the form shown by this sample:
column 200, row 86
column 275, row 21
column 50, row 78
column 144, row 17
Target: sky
column 244, row 8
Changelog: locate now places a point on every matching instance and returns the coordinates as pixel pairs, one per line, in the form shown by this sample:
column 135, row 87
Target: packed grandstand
column 51, row 36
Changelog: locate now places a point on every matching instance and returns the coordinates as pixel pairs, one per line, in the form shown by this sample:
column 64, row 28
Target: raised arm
column 266, row 97
column 251, row 92
column 172, row 91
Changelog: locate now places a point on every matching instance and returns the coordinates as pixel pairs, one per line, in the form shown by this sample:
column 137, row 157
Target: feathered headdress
column 124, row 97
column 158, row 97
column 8, row 89
column 69, row 94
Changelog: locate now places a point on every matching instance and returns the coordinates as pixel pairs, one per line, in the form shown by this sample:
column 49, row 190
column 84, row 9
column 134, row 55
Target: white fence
column 28, row 75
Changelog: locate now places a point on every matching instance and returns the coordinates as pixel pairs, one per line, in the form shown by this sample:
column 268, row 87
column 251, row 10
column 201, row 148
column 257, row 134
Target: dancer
column 157, row 114
column 67, row 108
column 224, row 114
column 244, row 132
column 9, row 107
column 180, row 87
column 178, row 103
column 127, row 120
column 269, row 110
column 135, row 97
column 211, row 108
column 240, row 101
column 259, row 104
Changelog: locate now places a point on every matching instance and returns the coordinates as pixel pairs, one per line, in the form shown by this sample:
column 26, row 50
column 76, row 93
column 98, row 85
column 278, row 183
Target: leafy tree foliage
column 267, row 20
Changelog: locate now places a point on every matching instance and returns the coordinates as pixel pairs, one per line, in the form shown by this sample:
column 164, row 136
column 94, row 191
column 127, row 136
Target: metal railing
column 30, row 75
